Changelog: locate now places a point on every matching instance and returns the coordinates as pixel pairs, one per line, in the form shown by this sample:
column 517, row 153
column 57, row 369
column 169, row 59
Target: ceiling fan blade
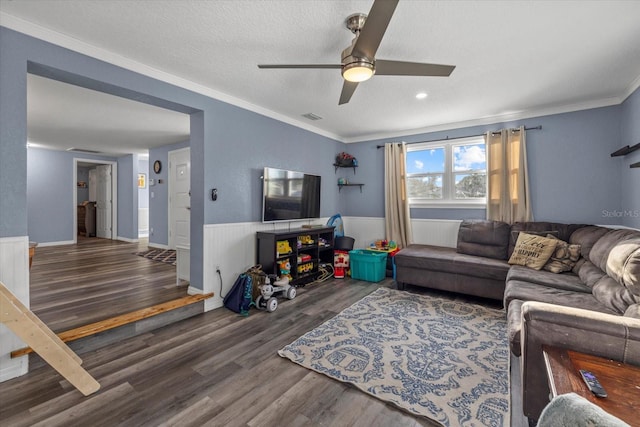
column 347, row 90
column 374, row 28
column 402, row 68
column 299, row 66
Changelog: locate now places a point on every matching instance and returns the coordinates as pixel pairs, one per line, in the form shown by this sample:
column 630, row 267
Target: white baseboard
column 60, row 243
column 126, row 239
column 157, row 245
column 143, row 233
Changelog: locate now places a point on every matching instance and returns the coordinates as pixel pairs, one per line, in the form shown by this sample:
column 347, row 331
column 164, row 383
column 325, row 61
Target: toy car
column 266, row 300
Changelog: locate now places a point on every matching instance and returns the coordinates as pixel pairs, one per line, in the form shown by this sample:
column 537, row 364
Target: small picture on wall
column 142, row 180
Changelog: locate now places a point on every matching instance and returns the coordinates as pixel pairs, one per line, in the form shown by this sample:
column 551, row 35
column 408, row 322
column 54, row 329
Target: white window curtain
column 508, row 193
column 396, row 203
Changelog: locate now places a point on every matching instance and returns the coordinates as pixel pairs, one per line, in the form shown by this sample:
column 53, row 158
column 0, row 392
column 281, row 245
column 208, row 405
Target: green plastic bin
column 367, row 266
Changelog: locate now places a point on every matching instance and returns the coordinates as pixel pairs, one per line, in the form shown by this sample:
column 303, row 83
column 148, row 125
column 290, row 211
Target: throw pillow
column 532, row 251
column 564, row 258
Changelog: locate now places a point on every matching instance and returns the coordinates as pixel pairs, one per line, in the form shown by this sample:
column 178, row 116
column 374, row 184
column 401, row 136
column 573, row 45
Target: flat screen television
column 289, row 195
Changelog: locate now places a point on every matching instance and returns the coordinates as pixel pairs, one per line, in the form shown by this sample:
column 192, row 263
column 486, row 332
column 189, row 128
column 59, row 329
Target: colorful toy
column 283, row 247
column 340, row 263
column 305, row 268
column 267, row 300
column 305, row 240
column 285, row 269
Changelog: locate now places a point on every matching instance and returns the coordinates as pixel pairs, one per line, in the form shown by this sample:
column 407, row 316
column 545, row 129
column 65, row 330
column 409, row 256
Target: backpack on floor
column 239, row 298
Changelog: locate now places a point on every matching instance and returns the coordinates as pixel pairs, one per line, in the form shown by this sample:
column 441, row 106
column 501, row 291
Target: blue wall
column 159, row 194
column 49, row 194
column 83, row 176
column 128, row 197
column 630, row 128
column 573, row 178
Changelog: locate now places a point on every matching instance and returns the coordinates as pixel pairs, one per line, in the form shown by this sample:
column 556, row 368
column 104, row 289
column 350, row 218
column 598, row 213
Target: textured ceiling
column 514, row 58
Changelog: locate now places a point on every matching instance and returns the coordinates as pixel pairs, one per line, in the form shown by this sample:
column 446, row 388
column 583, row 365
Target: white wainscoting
column 365, row 230
column 143, row 222
column 437, row 232
column 14, row 274
column 232, row 247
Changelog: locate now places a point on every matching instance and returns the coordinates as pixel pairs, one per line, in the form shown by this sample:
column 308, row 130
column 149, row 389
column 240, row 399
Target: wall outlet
column 151, row 231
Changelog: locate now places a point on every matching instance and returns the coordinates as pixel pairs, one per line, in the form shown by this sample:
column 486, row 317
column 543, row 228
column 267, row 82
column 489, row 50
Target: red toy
column 340, row 263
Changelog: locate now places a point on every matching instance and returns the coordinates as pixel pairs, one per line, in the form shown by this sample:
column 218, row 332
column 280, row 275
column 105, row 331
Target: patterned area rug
column 433, row 357
column 168, row 256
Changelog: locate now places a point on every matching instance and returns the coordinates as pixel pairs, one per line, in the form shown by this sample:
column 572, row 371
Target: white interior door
column 103, row 202
column 179, row 198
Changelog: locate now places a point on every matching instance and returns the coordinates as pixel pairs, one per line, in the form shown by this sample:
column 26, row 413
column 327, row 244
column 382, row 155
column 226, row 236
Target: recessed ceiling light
column 421, row 95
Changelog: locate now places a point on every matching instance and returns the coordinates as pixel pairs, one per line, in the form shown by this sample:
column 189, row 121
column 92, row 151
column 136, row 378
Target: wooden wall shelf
column 635, row 165
column 349, row 185
column 337, row 166
column 626, row 150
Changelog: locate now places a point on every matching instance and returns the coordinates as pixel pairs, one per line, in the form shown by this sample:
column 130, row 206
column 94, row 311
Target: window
column 447, row 173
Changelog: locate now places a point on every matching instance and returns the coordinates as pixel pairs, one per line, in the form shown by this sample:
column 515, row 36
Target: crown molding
column 76, row 45
column 632, row 88
column 54, row 37
column 499, row 118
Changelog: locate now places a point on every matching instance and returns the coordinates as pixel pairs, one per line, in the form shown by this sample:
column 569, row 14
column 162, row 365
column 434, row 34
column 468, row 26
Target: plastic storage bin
column 367, row 265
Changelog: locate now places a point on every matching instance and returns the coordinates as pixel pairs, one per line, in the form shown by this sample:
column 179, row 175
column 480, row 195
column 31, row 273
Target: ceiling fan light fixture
column 357, row 72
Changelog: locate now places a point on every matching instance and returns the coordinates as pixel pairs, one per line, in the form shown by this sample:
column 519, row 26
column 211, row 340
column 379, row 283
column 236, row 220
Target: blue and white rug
column 431, row 356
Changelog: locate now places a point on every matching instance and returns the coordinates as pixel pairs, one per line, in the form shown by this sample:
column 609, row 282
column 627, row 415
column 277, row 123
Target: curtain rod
column 462, row 137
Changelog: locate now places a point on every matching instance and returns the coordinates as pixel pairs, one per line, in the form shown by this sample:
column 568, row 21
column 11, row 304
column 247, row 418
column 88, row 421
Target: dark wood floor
column 215, row 369
column 73, row 285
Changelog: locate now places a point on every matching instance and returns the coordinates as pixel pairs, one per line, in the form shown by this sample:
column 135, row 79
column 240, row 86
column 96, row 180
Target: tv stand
column 314, row 254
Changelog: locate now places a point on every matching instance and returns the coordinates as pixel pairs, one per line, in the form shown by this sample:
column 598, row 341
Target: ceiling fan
column 358, row 60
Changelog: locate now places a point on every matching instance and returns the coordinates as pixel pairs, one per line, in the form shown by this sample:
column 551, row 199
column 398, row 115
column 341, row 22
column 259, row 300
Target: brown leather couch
column 594, row 309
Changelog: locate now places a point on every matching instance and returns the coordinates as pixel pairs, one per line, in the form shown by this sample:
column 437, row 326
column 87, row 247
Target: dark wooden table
column 620, row 381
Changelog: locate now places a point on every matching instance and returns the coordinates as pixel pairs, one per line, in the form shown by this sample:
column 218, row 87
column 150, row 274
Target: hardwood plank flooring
column 214, row 369
column 73, row 285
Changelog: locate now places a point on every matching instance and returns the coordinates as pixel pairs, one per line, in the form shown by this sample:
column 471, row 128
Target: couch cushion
column 448, row 260
column 561, row 231
column 565, row 281
column 586, row 237
column 601, row 250
column 532, row 251
column 526, row 291
column 614, row 295
column 633, row 311
column 484, row 238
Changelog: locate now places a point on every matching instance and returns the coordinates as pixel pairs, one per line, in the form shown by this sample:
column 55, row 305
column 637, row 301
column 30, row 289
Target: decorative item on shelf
column 342, row 181
column 285, row 269
column 82, row 184
column 283, row 248
column 305, row 240
column 345, row 160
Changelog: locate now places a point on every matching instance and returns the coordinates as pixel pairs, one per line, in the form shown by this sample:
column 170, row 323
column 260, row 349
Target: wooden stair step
column 123, row 319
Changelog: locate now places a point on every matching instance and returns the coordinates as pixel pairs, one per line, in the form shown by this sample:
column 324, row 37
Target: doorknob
column 188, row 207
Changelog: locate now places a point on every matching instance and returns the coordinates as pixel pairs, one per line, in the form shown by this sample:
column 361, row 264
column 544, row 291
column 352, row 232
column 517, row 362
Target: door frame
column 170, row 238
column 114, row 194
